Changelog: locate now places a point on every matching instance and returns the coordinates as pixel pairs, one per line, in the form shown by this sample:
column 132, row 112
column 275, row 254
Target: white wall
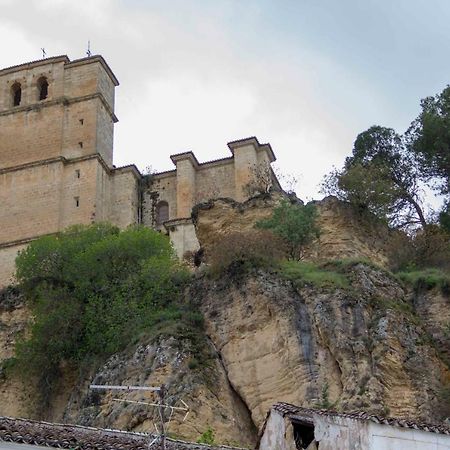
column 341, row 433
column 394, row 438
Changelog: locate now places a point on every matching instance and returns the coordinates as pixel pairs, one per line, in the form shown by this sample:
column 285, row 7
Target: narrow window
column 82, row 121
column 42, row 88
column 162, row 213
column 16, row 94
column 77, row 201
column 80, row 144
column 78, row 173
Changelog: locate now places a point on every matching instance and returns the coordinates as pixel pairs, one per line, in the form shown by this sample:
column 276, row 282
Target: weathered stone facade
column 56, row 161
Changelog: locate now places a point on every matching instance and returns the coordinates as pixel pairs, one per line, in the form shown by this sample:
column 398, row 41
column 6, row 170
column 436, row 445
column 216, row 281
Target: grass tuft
column 427, row 279
column 304, row 273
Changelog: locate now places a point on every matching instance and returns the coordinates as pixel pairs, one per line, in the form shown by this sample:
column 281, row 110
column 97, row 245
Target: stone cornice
column 58, row 159
column 66, row 161
column 23, row 241
column 30, row 65
column 61, row 101
column 67, row 63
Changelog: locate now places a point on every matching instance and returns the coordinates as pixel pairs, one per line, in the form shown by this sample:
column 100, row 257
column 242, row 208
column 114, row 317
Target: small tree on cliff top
column 294, row 223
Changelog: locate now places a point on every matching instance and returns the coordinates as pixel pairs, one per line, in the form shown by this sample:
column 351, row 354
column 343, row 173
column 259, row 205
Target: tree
column 428, row 138
column 382, row 177
column 444, row 217
column 295, row 224
column 92, row 290
column 261, row 181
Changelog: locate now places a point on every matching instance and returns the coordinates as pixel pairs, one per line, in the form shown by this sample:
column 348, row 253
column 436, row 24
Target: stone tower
column 56, row 148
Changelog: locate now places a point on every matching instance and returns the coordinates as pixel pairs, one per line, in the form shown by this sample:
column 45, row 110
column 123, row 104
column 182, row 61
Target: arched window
column 162, row 213
column 16, row 91
column 42, row 88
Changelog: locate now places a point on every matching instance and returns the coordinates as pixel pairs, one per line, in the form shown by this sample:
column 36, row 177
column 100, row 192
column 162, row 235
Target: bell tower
column 56, row 148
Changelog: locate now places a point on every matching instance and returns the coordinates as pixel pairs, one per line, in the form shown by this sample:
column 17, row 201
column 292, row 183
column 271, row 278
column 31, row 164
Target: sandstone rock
column 344, row 233
column 356, row 349
column 212, row 401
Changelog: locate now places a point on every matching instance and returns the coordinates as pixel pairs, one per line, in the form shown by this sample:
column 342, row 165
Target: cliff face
column 344, row 234
column 362, row 348
column 365, row 347
column 372, row 345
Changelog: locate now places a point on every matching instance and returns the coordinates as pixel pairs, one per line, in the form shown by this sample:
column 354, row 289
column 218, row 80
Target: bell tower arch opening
column 16, row 93
column 42, row 86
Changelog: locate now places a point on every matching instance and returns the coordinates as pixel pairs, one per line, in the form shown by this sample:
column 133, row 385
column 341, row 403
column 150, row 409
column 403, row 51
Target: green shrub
column 295, row 224
column 427, row 279
column 303, row 273
column 93, row 290
column 207, row 437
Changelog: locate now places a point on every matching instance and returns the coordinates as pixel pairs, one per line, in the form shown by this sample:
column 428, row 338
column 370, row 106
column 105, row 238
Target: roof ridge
column 287, row 409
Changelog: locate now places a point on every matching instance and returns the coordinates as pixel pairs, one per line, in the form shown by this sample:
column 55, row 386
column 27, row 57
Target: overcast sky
column 305, row 75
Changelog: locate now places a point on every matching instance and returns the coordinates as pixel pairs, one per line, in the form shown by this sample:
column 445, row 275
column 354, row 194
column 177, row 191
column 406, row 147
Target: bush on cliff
column 92, row 290
column 295, row 224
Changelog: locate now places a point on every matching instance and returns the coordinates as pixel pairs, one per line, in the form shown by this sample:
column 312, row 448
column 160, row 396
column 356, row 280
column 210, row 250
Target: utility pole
column 161, row 390
column 161, row 393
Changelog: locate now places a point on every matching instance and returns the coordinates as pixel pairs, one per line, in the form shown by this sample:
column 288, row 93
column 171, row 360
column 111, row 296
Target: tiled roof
column 298, row 412
column 24, row 431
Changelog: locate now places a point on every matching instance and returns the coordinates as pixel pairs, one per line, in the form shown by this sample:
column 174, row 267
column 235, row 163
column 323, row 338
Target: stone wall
column 193, row 182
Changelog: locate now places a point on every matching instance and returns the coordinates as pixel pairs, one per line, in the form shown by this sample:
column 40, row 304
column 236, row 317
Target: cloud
column 195, row 75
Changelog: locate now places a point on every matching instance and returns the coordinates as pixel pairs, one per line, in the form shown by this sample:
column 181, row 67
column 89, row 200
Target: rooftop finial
column 89, row 49
column 44, row 53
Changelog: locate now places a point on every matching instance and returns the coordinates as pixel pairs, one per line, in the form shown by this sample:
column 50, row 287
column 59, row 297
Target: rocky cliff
column 370, row 343
column 344, row 232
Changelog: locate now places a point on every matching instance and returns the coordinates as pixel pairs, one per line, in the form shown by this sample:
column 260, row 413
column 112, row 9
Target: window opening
column 80, row 144
column 77, row 201
column 82, row 121
column 17, row 94
column 303, row 435
column 162, row 213
column 43, row 88
column 77, row 173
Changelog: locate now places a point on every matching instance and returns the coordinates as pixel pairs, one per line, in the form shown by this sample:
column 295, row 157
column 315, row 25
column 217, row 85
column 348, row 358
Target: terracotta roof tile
column 80, row 438
column 293, row 412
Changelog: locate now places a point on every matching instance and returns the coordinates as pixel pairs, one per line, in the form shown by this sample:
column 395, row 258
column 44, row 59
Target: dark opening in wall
column 42, row 88
column 303, row 434
column 162, row 212
column 77, row 201
column 16, row 94
column 78, row 173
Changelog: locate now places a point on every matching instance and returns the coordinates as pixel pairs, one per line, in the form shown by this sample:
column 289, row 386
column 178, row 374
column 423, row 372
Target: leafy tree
column 295, row 224
column 92, row 289
column 381, row 177
column 444, row 217
column 429, row 138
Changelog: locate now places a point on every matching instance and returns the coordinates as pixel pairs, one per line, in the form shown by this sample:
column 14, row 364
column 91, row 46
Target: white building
column 289, row 427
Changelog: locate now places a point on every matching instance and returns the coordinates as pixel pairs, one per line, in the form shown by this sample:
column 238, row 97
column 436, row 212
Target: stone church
column 56, row 162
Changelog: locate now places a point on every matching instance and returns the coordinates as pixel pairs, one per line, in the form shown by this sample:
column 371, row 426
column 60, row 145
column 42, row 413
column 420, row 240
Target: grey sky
column 306, row 75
